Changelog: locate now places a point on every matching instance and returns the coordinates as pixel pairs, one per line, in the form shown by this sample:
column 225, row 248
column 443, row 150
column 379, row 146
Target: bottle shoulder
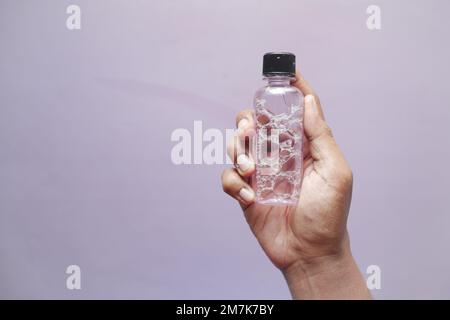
column 268, row 90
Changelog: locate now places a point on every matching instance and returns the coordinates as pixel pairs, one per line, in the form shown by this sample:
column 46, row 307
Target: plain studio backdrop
column 86, row 117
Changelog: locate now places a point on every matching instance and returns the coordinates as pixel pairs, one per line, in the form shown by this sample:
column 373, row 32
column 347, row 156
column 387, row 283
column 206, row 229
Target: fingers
column 238, row 148
column 245, row 165
column 244, row 119
column 234, row 185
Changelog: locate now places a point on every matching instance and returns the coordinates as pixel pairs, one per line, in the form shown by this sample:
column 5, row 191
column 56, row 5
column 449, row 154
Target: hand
column 309, row 243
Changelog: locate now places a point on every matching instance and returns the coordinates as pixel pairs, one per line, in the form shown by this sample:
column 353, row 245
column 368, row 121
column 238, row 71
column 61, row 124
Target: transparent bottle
column 279, row 133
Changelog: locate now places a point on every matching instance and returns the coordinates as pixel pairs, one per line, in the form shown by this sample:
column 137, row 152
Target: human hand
column 309, row 242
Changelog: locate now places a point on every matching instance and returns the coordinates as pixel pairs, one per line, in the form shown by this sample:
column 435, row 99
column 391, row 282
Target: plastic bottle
column 279, row 133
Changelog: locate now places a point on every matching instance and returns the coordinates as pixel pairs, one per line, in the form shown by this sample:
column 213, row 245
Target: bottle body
column 279, row 142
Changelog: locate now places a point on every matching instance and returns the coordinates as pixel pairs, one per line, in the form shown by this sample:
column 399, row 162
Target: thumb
column 329, row 161
column 322, row 144
column 323, row 147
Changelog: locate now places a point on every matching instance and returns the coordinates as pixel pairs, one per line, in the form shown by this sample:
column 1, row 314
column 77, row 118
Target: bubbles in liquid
column 278, row 155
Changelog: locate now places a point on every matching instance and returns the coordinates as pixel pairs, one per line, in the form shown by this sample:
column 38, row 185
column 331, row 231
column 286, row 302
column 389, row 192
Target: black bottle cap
column 279, row 64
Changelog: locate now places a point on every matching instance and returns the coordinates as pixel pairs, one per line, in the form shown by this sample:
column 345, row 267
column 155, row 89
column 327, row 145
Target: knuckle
column 327, row 130
column 234, row 147
column 227, row 180
column 246, row 113
column 231, row 148
column 346, row 176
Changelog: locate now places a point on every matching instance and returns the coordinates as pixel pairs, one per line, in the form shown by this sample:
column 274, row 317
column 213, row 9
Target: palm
column 309, row 229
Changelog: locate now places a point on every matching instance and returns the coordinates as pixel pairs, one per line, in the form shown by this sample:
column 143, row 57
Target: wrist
column 334, row 276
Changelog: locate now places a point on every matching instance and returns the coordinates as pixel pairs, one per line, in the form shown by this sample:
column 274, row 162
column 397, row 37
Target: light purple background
column 86, row 118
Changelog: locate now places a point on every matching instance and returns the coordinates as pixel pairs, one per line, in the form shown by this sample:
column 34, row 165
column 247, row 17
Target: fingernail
column 243, row 162
column 246, row 194
column 243, row 123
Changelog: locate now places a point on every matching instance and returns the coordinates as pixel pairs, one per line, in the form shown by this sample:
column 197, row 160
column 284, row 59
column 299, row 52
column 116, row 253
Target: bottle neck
column 278, row 81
